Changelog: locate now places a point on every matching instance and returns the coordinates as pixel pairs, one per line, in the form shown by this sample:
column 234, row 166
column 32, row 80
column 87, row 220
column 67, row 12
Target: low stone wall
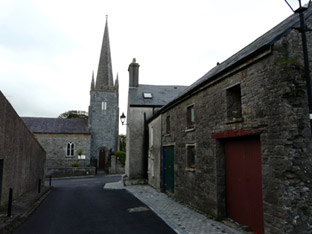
column 70, row 171
column 116, row 166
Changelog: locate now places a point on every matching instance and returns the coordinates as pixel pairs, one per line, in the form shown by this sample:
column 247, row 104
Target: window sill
column 167, row 134
column 234, row 120
column 190, row 129
column 190, row 169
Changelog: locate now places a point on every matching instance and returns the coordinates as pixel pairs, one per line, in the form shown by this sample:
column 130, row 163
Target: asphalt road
column 77, row 206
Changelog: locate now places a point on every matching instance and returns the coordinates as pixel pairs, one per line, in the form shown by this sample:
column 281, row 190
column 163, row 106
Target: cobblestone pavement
column 181, row 218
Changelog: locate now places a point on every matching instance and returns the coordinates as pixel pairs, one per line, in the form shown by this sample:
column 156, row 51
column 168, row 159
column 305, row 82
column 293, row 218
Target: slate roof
column 161, row 94
column 56, row 125
column 264, row 42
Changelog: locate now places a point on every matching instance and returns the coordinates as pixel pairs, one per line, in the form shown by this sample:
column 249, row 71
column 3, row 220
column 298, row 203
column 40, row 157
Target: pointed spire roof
column 104, row 75
column 92, row 81
column 117, row 81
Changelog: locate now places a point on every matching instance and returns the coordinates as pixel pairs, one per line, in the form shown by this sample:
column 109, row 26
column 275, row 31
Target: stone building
column 237, row 142
column 62, row 139
column 96, row 137
column 143, row 102
column 103, row 109
column 21, row 156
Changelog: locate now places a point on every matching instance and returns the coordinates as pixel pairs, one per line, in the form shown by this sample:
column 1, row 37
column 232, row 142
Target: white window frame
column 147, row 95
column 104, row 105
column 70, row 149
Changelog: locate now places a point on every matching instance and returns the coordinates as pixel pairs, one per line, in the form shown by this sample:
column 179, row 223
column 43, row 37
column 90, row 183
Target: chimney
column 133, row 74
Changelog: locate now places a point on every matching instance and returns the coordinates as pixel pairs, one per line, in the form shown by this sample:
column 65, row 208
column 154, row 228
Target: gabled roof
column 161, row 95
column 261, row 44
column 56, row 125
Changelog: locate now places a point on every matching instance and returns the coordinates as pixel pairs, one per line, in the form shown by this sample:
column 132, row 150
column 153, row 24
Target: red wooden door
column 244, row 182
column 102, row 159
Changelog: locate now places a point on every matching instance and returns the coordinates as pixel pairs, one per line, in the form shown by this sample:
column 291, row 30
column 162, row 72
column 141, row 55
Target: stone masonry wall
column 55, row 146
column 22, row 156
column 154, row 154
column 135, row 135
column 273, row 100
column 104, row 123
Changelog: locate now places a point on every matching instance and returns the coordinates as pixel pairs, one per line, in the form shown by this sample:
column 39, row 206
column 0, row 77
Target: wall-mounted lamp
column 123, row 119
column 298, row 6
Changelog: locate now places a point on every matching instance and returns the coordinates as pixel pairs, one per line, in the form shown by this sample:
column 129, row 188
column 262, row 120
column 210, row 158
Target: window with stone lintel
column 70, row 149
column 190, row 156
column 234, row 103
column 190, row 116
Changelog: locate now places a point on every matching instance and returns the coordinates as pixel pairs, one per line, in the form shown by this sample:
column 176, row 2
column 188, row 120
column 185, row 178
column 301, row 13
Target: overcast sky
column 48, row 49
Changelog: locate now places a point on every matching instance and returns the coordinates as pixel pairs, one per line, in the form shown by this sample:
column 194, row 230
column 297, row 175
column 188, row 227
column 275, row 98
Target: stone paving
column 181, row 218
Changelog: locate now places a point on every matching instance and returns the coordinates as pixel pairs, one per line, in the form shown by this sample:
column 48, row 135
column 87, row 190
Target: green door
column 168, row 167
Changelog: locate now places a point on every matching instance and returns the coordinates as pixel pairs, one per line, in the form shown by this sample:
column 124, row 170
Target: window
column 104, row 105
column 190, row 116
column 147, row 95
column 70, row 149
column 234, row 103
column 168, row 130
column 190, row 156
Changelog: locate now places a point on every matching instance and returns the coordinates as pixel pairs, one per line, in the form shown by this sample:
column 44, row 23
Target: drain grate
column 138, row 209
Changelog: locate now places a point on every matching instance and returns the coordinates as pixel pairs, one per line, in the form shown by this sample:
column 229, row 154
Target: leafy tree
column 74, row 114
column 121, row 156
column 122, row 142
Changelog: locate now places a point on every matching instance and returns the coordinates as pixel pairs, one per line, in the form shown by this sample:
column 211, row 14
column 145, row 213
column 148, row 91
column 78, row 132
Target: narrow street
column 81, row 205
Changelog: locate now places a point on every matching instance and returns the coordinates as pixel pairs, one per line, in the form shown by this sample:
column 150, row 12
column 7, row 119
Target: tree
column 74, row 114
column 122, row 142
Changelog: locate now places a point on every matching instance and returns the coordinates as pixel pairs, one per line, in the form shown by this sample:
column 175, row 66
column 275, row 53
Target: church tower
column 103, row 109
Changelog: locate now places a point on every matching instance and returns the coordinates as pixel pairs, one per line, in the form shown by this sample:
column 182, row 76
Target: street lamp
column 298, row 6
column 123, row 119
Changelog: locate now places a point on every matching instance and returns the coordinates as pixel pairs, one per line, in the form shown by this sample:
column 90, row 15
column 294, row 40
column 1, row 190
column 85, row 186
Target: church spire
column 104, row 77
column 92, row 81
column 117, row 81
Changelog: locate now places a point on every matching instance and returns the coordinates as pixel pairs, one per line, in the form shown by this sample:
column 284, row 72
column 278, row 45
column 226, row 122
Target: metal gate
column 244, row 182
column 168, row 168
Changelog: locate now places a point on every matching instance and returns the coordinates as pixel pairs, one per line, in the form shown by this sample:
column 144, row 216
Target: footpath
column 180, row 218
column 22, row 208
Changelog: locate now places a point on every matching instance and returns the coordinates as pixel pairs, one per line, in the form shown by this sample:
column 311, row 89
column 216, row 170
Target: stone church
column 77, row 141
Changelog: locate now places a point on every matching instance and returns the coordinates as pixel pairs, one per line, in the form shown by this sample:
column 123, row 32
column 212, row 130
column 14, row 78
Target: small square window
column 147, row 95
column 190, row 156
column 190, row 116
column 234, row 103
column 168, row 130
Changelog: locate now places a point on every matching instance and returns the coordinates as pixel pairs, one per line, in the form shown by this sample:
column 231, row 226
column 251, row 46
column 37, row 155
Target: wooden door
column 244, row 182
column 168, row 164
column 102, row 159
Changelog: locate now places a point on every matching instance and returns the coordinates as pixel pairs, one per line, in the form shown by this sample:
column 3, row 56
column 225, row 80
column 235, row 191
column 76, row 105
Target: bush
column 75, row 165
column 121, row 155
